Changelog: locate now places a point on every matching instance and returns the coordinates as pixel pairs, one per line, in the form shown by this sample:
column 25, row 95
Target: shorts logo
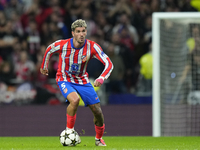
column 96, row 98
column 65, row 90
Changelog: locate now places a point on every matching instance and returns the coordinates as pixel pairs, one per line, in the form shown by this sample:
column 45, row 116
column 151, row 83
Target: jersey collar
column 72, row 45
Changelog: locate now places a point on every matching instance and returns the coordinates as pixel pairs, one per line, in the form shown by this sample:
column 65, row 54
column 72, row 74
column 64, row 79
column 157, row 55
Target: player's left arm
column 101, row 56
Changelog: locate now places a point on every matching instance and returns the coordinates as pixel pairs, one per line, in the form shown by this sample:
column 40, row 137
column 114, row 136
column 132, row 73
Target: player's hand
column 44, row 71
column 98, row 82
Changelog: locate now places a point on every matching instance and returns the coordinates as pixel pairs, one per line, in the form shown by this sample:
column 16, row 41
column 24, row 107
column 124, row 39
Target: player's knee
column 96, row 109
column 75, row 102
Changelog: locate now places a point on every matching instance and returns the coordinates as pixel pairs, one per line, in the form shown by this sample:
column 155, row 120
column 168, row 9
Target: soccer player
column 72, row 78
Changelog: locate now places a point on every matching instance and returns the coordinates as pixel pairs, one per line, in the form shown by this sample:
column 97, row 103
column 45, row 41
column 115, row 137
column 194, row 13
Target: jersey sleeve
column 51, row 49
column 101, row 56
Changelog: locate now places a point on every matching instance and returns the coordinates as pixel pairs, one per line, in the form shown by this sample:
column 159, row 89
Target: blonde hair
column 78, row 23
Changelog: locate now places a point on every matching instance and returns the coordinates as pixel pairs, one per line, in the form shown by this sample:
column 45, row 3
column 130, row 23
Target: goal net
column 176, row 74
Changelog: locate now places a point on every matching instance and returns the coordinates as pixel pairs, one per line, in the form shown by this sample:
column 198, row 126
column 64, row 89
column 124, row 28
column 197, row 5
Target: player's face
column 79, row 34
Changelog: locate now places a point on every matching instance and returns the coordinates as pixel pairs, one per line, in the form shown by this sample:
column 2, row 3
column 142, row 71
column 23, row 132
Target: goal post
column 163, row 41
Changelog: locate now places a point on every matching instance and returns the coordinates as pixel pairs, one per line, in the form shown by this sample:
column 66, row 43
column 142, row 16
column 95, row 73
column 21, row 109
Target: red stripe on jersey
column 45, row 56
column 104, row 59
column 59, row 74
column 97, row 54
column 75, row 61
column 63, row 50
column 107, row 71
column 84, row 59
column 69, row 51
column 48, row 53
column 98, row 46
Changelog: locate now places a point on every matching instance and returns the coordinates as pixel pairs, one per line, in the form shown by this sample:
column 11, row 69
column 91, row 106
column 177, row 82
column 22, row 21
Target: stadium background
column 31, row 101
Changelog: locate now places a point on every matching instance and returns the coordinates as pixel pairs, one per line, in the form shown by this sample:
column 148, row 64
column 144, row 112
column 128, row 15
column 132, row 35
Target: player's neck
column 77, row 44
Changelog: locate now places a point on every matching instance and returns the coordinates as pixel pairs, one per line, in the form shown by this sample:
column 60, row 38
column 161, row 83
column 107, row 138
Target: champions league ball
column 69, row 138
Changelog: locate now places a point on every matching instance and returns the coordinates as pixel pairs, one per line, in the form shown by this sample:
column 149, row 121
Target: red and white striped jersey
column 73, row 61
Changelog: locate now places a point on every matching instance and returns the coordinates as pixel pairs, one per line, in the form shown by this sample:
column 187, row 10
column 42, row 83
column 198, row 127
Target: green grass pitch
column 113, row 143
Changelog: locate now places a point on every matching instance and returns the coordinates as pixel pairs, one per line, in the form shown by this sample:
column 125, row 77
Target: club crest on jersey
column 84, row 58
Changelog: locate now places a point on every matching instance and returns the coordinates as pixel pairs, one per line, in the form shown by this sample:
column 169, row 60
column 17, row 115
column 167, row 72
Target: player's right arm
column 51, row 49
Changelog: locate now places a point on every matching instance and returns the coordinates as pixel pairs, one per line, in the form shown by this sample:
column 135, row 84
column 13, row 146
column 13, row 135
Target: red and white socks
column 99, row 131
column 70, row 121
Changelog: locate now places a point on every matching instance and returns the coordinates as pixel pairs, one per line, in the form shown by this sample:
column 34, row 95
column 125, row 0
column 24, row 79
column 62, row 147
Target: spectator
column 57, row 19
column 24, row 68
column 13, row 6
column 3, row 19
column 45, row 34
column 16, row 23
column 38, row 76
column 155, row 6
column 147, row 34
column 139, row 16
column 129, row 59
column 121, row 7
column 6, row 73
column 8, row 38
column 125, row 39
column 103, row 27
column 26, row 4
column 125, row 24
column 116, row 82
column 122, row 50
column 91, row 26
column 188, row 7
column 33, row 39
column 15, row 55
column 105, row 7
column 74, row 8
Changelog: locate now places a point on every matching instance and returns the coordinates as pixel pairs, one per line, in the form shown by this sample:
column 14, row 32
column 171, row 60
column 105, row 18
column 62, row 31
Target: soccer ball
column 69, row 138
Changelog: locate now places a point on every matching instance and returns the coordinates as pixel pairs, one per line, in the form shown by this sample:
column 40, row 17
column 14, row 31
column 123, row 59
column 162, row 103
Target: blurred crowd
column 123, row 28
